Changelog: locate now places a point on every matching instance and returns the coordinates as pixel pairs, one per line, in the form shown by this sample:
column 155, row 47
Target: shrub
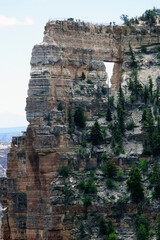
column 60, row 106
column 104, row 155
column 120, row 173
column 132, row 98
column 96, row 134
column 142, row 220
column 89, row 81
column 112, row 236
column 109, row 169
column 89, row 186
column 130, row 125
column 48, row 119
column 143, row 165
column 151, row 233
column 57, row 132
column 158, row 55
column 110, row 183
column 79, row 118
column 110, row 227
column 143, row 48
column 84, row 143
column 64, row 171
column 87, row 201
column 142, row 233
column 104, row 90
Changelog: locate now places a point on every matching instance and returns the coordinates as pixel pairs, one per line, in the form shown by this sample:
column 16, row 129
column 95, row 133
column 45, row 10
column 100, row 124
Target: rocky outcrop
column 40, row 203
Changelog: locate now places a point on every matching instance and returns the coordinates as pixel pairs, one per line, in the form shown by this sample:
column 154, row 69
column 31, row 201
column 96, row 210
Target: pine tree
column 102, row 226
column 96, row 134
column 120, row 110
column 135, row 185
column 83, row 76
column 158, row 227
column 150, row 85
column 142, row 233
column 146, row 94
column 70, row 118
column 109, row 115
column 79, row 118
column 134, row 63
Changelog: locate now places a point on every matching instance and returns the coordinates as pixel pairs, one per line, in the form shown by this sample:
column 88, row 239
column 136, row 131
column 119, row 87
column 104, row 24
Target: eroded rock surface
column 40, row 203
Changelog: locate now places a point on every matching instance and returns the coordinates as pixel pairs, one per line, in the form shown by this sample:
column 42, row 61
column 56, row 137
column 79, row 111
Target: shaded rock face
column 41, row 204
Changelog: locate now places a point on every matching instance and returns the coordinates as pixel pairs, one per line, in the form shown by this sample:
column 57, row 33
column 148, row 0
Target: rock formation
column 38, row 202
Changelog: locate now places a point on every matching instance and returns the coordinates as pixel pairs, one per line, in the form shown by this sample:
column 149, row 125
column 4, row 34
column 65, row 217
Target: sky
column 21, row 27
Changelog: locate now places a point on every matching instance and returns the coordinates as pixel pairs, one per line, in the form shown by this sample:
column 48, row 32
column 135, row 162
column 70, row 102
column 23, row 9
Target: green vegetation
column 48, row 119
column 102, row 226
column 130, row 125
column 111, row 230
column 89, row 81
column 104, row 90
column 104, row 155
column 84, row 143
column 109, row 169
column 109, row 115
column 143, row 48
column 142, row 227
column 83, row 77
column 89, row 186
column 134, row 62
column 112, row 236
column 158, row 227
column 143, row 165
column 110, row 183
column 151, row 233
column 87, row 201
column 60, row 106
column 135, row 185
column 82, row 231
column 70, row 119
column 64, row 171
column 155, row 180
column 142, row 233
column 120, row 173
column 79, row 118
column 96, row 134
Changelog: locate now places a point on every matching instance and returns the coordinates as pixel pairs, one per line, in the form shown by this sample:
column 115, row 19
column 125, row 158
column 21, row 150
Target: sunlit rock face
column 40, row 203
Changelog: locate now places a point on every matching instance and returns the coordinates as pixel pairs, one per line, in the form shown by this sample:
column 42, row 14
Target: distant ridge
column 6, row 134
column 13, row 129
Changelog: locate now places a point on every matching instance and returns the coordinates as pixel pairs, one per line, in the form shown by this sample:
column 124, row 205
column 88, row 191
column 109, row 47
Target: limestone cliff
column 40, row 203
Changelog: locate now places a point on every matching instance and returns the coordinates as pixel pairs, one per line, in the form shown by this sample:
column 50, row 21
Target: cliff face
column 40, row 203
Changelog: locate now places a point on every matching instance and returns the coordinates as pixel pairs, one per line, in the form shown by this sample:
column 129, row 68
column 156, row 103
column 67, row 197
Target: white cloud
column 7, row 21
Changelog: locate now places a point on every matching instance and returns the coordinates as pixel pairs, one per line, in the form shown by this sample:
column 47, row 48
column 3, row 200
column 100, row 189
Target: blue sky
column 21, row 27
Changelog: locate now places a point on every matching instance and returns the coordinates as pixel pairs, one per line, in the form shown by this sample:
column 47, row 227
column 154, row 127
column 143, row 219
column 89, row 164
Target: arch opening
column 109, row 70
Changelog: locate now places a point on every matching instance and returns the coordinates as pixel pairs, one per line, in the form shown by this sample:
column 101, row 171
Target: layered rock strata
column 37, row 207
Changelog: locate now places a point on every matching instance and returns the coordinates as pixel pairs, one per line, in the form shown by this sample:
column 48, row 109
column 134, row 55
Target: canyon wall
column 36, row 206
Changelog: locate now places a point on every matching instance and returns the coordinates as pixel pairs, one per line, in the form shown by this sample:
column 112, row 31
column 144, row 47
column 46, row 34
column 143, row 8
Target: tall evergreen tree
column 158, row 227
column 135, row 185
column 96, row 134
column 79, row 118
column 70, row 118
